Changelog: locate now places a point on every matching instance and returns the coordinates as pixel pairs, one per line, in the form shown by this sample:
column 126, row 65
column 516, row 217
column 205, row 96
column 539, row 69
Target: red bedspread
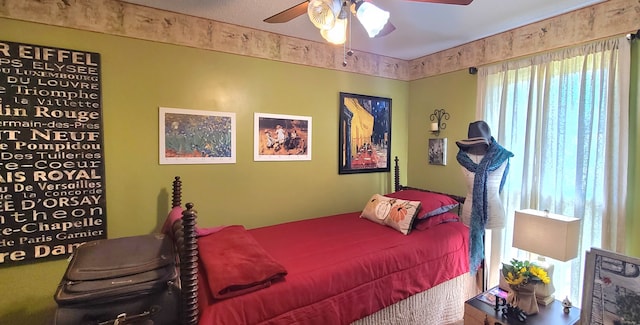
column 340, row 269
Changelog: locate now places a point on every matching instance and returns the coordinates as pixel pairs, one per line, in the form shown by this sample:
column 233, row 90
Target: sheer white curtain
column 564, row 115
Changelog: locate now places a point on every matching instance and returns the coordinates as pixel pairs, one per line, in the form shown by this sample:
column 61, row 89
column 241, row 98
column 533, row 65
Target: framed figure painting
column 280, row 137
column 364, row 134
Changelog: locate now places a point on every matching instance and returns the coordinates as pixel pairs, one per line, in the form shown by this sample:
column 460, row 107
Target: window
column 564, row 115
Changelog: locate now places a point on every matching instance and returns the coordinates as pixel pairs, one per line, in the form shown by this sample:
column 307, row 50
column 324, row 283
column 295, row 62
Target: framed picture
column 281, row 137
column 611, row 289
column 197, row 137
column 364, row 134
column 438, row 151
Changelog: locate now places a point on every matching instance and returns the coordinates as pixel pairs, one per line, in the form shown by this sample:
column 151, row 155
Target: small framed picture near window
column 611, row 288
column 197, row 137
column 364, row 134
column 281, row 137
column 438, row 151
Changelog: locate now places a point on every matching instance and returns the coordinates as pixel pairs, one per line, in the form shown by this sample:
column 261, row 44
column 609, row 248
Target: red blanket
column 235, row 263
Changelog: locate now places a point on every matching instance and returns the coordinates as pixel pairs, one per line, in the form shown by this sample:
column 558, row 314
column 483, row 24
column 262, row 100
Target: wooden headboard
column 398, row 187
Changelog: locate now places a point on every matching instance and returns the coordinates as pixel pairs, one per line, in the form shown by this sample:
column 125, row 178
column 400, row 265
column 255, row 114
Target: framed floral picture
column 364, row 134
column 197, row 137
column 281, row 137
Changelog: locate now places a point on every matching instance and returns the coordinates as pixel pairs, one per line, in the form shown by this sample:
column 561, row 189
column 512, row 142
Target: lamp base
column 545, row 300
column 544, row 292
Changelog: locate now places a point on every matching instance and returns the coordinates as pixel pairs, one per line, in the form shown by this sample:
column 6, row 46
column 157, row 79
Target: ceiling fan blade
column 448, row 2
column 386, row 30
column 286, row 15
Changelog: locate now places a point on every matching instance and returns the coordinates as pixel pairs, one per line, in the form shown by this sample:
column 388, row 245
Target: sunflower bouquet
column 520, row 273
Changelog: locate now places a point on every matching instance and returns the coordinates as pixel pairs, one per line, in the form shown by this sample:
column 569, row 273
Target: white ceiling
column 421, row 28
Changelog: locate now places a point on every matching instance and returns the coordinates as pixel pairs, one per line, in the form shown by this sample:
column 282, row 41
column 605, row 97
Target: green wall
column 138, row 77
column 456, row 93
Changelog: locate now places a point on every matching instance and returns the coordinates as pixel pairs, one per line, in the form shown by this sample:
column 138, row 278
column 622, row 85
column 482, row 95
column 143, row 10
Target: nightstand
column 478, row 312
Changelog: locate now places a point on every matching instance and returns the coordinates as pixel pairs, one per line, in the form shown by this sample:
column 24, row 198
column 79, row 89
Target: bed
column 339, row 269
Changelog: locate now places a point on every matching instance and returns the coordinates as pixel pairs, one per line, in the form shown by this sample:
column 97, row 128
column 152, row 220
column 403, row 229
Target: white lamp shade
column 323, row 13
column 337, row 34
column 546, row 234
column 372, row 18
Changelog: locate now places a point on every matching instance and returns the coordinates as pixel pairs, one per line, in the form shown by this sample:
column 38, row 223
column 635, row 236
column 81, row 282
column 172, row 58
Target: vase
column 523, row 297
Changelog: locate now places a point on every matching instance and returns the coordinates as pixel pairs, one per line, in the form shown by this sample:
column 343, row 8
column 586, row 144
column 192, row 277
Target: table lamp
column 546, row 235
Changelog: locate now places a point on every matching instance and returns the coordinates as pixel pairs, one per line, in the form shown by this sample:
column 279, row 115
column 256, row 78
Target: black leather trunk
column 130, row 280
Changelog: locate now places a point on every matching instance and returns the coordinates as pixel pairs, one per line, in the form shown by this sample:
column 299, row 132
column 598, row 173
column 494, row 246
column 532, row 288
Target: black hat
column 479, row 136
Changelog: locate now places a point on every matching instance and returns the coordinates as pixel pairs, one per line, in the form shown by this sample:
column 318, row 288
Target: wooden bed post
column 176, row 193
column 396, row 176
column 187, row 245
column 189, row 267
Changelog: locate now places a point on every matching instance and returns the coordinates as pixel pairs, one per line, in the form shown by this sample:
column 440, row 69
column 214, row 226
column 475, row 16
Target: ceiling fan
column 331, row 15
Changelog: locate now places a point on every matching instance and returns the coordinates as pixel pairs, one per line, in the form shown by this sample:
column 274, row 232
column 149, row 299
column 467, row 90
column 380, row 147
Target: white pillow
column 395, row 213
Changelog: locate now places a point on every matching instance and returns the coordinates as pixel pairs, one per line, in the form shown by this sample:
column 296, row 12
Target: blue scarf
column 494, row 158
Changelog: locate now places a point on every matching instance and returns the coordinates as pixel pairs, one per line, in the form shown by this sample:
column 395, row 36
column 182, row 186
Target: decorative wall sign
column 51, row 158
column 197, row 137
column 365, row 134
column 281, row 137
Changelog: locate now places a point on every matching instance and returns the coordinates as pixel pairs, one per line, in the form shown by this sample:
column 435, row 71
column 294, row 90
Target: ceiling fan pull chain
column 344, row 54
column 350, row 52
column 344, row 45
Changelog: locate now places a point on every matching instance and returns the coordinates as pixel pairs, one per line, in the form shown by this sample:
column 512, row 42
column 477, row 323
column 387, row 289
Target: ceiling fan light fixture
column 344, row 10
column 336, row 35
column 323, row 13
column 372, row 18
